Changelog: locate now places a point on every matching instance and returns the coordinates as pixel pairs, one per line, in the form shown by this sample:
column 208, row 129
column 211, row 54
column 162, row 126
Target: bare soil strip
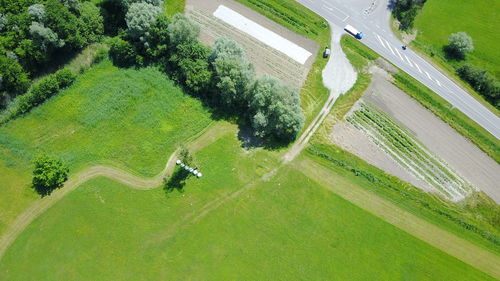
column 420, row 228
column 40, row 206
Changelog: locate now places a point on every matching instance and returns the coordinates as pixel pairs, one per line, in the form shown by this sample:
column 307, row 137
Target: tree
column 49, row 173
column 4, row 20
column 406, row 11
column 45, row 37
column 233, row 74
column 276, row 109
column 13, row 79
column 64, row 24
column 189, row 66
column 459, row 44
column 122, row 53
column 37, row 12
column 128, row 3
column 182, row 30
column 139, row 18
column 90, row 22
column 158, row 40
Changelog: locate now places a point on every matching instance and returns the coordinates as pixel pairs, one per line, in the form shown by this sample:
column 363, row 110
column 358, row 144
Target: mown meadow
column 227, row 225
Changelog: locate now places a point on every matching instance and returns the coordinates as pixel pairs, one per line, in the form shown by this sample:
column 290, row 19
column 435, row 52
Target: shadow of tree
column 43, row 190
column 176, row 181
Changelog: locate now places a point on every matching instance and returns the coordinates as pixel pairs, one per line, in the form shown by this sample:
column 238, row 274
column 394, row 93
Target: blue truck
column 354, row 31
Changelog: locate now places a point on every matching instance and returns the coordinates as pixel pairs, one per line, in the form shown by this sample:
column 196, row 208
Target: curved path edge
column 40, row 206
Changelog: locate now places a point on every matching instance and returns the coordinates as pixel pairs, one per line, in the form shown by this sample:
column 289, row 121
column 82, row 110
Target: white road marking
column 388, row 45
column 408, row 61
column 418, row 68
column 438, row 83
column 399, row 54
column 380, row 40
column 428, row 75
column 345, row 18
column 378, row 26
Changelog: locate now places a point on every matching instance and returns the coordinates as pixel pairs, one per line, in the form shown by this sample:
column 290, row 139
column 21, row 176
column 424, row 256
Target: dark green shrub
column 122, row 53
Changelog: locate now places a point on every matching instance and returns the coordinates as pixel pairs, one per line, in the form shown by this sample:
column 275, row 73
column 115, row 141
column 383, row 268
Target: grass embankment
column 476, row 219
column 479, row 19
column 132, row 119
column 289, row 227
column 301, row 20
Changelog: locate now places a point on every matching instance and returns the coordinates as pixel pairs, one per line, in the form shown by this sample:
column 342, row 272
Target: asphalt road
column 372, row 17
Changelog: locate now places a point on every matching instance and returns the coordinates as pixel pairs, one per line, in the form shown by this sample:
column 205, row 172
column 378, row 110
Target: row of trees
column 221, row 75
column 35, row 32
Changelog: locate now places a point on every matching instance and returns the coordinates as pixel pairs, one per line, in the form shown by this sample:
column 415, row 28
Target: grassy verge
column 288, row 226
column 301, row 20
column 173, row 7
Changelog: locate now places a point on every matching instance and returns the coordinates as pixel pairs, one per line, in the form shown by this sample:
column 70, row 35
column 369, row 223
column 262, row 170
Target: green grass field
column 289, row 228
column 131, row 119
column 439, row 18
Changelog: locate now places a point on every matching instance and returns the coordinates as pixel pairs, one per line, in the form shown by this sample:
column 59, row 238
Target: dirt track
column 40, row 206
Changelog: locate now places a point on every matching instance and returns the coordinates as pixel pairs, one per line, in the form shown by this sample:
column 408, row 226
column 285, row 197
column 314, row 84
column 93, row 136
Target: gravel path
column 338, row 76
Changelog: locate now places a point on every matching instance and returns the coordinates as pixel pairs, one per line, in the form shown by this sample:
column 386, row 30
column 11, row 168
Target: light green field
column 478, row 18
column 289, row 228
column 131, row 119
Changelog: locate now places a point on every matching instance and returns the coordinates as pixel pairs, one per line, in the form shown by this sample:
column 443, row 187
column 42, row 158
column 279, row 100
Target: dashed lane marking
column 418, row 68
column 439, row 84
column 390, row 48
column 399, row 54
column 408, row 61
column 380, row 40
column 428, row 75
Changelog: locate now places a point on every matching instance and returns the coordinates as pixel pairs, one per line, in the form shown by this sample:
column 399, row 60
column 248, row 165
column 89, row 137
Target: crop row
column 408, row 152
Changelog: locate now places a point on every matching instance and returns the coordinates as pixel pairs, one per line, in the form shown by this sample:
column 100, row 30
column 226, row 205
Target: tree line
column 35, row 33
column 220, row 75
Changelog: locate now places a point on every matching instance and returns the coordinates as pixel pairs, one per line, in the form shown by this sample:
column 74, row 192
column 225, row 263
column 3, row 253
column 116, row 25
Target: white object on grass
column 178, row 162
column 262, row 34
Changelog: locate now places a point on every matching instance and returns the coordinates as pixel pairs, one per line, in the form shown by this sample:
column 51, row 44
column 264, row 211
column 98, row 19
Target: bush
column 49, row 174
column 459, row 44
column 482, row 82
column 13, row 79
column 122, row 53
column 43, row 90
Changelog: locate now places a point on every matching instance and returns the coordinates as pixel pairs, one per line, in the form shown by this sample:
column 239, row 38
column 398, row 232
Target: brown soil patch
column 266, row 59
